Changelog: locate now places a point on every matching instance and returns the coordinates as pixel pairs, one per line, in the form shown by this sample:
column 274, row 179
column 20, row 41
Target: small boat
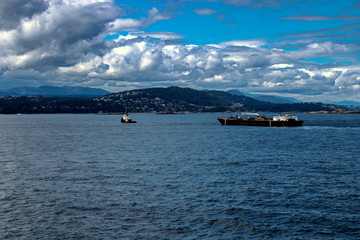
column 254, row 119
column 127, row 119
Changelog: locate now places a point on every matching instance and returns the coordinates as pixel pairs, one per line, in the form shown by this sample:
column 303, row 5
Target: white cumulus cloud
column 204, row 11
column 64, row 42
column 128, row 24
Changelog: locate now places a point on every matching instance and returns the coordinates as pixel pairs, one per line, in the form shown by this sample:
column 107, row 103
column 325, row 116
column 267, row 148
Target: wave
column 324, row 127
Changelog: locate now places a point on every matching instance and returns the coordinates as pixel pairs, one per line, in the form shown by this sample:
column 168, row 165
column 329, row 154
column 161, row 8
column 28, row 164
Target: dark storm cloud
column 13, row 11
column 59, row 35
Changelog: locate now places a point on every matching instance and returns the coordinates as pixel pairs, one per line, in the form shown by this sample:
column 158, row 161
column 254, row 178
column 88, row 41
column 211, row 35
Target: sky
column 306, row 49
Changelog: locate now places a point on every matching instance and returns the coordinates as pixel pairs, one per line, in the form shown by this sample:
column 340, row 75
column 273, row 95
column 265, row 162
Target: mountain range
column 346, row 103
column 66, row 91
column 51, row 91
column 170, row 99
column 265, row 98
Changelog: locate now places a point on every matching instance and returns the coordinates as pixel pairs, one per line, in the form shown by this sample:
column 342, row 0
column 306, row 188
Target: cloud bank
column 64, row 42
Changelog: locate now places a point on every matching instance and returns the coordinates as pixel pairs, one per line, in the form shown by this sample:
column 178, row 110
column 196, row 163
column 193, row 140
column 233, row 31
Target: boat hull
column 127, row 121
column 260, row 123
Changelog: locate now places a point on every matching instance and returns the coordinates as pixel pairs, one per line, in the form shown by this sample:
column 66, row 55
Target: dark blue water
column 178, row 177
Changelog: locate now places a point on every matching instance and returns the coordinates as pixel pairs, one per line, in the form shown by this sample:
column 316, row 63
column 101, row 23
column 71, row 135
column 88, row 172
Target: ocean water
column 178, row 177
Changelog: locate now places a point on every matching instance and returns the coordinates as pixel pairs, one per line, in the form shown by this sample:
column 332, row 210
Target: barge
column 255, row 119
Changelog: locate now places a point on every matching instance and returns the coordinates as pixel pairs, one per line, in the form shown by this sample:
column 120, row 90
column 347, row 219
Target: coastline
column 338, row 111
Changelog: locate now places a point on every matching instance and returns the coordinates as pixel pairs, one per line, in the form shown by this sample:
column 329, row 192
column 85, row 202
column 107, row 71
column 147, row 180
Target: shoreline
column 339, row 111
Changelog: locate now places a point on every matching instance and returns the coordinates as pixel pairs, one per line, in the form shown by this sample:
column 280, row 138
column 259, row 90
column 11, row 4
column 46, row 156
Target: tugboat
column 127, row 119
column 256, row 120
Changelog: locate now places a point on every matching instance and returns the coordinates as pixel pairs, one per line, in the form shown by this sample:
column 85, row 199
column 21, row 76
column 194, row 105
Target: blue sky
column 207, row 22
column 304, row 49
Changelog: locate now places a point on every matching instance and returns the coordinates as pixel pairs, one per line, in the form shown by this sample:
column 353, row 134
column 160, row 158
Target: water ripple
column 90, row 177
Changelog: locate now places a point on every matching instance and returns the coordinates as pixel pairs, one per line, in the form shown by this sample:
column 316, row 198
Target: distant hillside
column 50, row 91
column 275, row 99
column 266, row 98
column 164, row 99
column 186, row 99
column 174, row 99
column 235, row 92
column 346, row 103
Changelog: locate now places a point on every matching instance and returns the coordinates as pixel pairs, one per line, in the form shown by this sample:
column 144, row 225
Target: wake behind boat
column 127, row 119
column 254, row 119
